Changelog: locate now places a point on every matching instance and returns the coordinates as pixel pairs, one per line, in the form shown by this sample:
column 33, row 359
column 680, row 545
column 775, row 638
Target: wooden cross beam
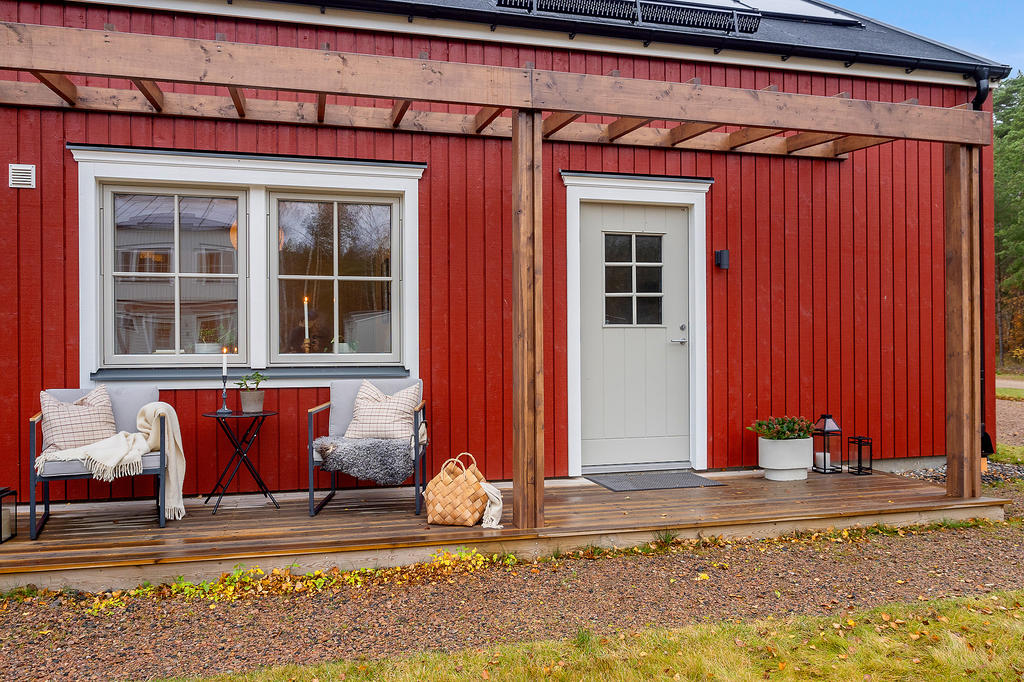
column 151, row 91
column 557, row 121
column 321, row 106
column 59, row 84
column 485, row 116
column 398, row 111
column 624, row 126
column 238, row 99
column 51, row 49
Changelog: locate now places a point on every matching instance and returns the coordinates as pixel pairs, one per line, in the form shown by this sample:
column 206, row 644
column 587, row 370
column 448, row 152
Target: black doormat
column 651, row 480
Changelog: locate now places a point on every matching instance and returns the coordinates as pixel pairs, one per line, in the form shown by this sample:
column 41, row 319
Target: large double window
column 177, row 287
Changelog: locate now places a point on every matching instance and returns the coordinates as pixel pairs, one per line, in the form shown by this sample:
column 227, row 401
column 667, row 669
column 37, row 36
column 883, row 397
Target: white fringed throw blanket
column 121, row 454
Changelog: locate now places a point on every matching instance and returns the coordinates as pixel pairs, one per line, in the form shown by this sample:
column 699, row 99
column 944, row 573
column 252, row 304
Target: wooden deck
column 121, row 543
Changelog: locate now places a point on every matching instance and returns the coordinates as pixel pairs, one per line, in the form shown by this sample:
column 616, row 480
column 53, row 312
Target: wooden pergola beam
column 64, row 50
column 688, row 131
column 217, row 107
column 151, row 91
column 963, row 320
column 527, row 321
column 238, row 100
column 624, row 126
column 399, row 110
column 556, row 121
column 800, row 141
column 321, row 106
column 485, row 117
column 59, row 84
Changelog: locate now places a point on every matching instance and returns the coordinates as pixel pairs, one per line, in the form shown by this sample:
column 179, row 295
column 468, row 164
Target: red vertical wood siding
column 833, row 302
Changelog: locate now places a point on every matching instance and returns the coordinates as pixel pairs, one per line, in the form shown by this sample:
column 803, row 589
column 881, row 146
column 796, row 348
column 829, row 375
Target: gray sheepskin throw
column 386, row 461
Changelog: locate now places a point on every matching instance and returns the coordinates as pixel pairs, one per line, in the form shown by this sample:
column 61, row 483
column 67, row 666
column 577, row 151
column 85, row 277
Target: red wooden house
column 689, row 215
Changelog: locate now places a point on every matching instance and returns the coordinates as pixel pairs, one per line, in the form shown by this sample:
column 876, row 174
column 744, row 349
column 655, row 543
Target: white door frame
column 660, row 191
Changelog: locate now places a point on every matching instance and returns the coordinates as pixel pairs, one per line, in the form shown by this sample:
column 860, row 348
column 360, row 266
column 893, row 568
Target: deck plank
column 96, row 535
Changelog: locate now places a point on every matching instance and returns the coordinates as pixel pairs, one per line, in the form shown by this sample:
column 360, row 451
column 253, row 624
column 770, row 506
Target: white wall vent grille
column 21, row 175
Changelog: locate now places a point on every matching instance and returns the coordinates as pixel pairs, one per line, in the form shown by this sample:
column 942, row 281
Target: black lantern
column 858, row 455
column 8, row 514
column 827, row 445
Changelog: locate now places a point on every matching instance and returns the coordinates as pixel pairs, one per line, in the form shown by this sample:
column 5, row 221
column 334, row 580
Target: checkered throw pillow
column 70, row 425
column 379, row 415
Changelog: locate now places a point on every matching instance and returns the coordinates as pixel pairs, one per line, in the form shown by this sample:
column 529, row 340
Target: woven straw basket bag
column 455, row 497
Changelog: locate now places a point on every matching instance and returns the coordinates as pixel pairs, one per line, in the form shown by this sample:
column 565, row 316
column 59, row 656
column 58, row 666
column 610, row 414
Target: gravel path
column 1010, row 422
column 44, row 640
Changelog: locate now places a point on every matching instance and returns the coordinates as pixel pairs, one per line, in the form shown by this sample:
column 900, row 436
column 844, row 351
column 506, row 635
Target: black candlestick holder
column 224, row 409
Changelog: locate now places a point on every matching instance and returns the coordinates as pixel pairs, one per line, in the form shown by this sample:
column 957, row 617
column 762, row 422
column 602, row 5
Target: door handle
column 678, row 340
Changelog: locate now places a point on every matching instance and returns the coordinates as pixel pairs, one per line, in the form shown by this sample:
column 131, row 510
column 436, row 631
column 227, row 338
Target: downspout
column 981, row 76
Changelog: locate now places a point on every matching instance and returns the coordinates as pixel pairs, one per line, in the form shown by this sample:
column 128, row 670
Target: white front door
column 634, row 315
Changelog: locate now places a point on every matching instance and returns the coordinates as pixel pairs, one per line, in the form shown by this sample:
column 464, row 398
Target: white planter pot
column 252, row 401
column 785, row 460
column 208, row 347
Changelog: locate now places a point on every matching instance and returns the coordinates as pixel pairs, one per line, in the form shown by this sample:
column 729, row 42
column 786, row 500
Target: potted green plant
column 209, row 340
column 251, row 396
column 784, row 447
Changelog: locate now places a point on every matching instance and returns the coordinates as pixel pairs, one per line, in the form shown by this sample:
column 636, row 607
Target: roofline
column 648, row 33
column 317, row 13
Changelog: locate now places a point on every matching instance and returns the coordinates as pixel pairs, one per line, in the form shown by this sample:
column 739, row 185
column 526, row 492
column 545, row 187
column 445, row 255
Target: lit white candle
column 305, row 314
column 224, row 361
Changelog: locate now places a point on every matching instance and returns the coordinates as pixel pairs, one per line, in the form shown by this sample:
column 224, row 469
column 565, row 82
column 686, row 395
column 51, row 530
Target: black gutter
column 647, row 33
column 980, row 97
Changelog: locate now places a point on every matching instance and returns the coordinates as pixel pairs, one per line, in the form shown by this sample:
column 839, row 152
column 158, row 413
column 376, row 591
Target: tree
column 1008, row 109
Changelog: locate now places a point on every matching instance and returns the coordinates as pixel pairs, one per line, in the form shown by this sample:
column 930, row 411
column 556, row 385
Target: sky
column 990, row 28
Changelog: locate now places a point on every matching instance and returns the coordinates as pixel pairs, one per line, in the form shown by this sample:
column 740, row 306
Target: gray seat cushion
column 74, row 468
column 343, row 399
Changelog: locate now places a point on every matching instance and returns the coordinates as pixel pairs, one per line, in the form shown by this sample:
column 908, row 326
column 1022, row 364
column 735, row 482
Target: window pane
column 618, row 248
column 306, row 238
column 648, row 249
column 209, row 314
column 306, row 310
column 143, row 315
column 364, row 240
column 648, row 310
column 208, row 234
column 648, row 280
column 143, row 233
column 364, row 314
column 618, row 279
column 618, row 310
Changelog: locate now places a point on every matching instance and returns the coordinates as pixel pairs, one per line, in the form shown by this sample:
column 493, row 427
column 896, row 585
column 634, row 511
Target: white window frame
column 397, row 309
column 109, row 267
column 258, row 177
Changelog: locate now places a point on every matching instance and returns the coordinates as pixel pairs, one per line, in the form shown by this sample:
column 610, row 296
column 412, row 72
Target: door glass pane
column 618, row 310
column 364, row 315
column 648, row 310
column 648, row 280
column 209, row 314
column 208, row 234
column 618, row 248
column 143, row 315
column 306, row 237
column 364, row 240
column 618, row 279
column 143, row 233
column 306, row 316
column 648, row 249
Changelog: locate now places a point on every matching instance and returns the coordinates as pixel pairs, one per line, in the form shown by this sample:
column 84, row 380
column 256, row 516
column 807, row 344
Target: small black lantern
column 858, row 455
column 8, row 514
column 828, row 441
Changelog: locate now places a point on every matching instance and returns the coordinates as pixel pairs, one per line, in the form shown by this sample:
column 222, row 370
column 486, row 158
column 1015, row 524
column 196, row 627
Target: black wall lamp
column 722, row 259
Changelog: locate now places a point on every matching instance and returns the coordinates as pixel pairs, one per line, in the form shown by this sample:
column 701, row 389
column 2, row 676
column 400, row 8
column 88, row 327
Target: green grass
column 1010, row 393
column 957, row 639
column 1008, row 454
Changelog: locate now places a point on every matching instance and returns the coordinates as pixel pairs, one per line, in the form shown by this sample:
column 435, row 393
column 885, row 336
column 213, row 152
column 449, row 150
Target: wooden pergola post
column 963, row 320
column 527, row 321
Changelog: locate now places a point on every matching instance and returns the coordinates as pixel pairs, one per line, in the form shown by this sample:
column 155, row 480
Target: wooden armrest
column 423, row 403
column 320, row 407
column 38, row 416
